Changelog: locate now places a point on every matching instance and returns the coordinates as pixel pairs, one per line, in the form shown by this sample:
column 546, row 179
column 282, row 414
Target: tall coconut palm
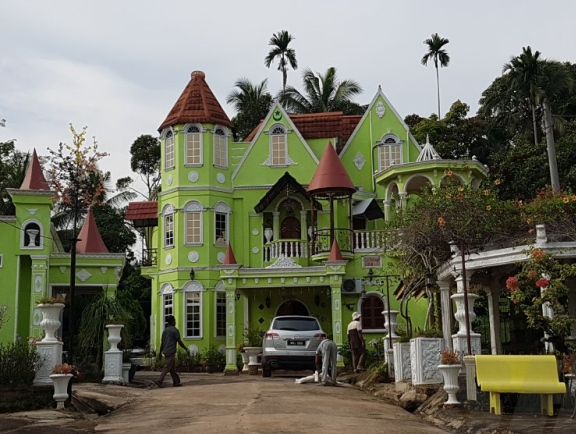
column 439, row 55
column 251, row 103
column 286, row 56
column 323, row 93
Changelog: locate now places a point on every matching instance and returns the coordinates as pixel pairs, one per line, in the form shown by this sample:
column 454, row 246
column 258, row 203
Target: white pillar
column 446, row 309
column 494, row 317
column 386, row 209
column 460, row 339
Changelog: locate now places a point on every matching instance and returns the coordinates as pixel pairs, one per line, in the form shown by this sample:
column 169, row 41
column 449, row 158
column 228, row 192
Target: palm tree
column 286, row 56
column 251, row 103
column 323, row 93
column 440, row 56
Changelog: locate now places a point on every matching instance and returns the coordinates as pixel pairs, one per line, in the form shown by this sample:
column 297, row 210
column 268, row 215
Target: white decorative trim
column 103, row 270
column 284, row 262
column 83, row 275
column 168, row 259
column 193, row 286
column 335, row 267
column 193, row 256
column 169, row 179
column 38, row 283
column 62, row 269
column 222, row 207
column 289, row 162
column 359, row 161
column 166, row 289
column 255, row 249
column 380, row 109
column 221, row 178
column 117, row 272
column 193, row 176
column 219, row 286
column 193, row 206
column 255, row 231
column 220, row 257
column 32, row 211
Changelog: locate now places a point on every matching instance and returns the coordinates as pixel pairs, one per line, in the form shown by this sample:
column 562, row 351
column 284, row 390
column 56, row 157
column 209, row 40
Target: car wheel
column 266, row 371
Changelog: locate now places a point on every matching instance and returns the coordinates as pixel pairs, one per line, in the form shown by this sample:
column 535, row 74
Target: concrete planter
column 424, row 360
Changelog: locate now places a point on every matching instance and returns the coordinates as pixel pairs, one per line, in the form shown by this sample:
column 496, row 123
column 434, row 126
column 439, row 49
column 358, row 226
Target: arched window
column 221, row 224
column 390, row 151
column 167, row 302
column 193, row 309
column 220, row 310
column 32, row 236
column 169, row 150
column 278, row 146
column 193, row 145
column 168, row 216
column 220, row 148
column 372, row 308
column 193, row 223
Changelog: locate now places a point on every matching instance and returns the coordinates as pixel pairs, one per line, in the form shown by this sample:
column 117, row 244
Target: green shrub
column 18, row 364
column 214, row 358
column 187, row 362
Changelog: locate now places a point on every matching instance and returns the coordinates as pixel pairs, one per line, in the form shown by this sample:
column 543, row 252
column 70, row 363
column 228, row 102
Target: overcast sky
column 118, row 66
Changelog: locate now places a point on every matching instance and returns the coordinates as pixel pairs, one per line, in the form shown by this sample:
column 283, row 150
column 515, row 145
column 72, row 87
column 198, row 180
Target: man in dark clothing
column 170, row 337
column 356, row 343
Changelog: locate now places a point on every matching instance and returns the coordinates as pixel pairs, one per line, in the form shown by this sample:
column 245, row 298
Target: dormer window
column 220, row 148
column 390, row 151
column 278, row 146
column 169, row 150
column 193, row 146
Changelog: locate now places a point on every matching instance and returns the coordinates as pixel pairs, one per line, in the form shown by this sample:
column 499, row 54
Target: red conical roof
column 90, row 238
column 330, row 175
column 229, row 258
column 34, row 179
column 335, row 254
column 197, row 104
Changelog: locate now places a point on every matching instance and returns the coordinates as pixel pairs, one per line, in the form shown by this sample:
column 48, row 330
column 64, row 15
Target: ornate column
column 403, row 197
column 229, row 275
column 459, row 340
column 386, row 203
column 113, row 357
column 493, row 295
column 276, row 225
column 303, row 225
column 446, row 308
column 335, row 270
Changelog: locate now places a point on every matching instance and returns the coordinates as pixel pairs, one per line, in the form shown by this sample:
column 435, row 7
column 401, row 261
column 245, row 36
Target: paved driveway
column 252, row 405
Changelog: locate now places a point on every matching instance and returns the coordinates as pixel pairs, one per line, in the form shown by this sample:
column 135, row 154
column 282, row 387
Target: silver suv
column 291, row 343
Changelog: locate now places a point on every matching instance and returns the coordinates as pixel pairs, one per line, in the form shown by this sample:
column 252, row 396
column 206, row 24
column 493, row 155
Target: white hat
column 355, row 316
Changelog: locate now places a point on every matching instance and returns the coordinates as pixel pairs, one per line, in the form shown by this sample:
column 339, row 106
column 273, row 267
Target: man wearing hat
column 356, row 343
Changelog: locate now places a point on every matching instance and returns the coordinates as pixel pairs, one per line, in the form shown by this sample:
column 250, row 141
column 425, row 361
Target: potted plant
column 61, row 375
column 51, row 306
column 450, row 365
column 253, row 347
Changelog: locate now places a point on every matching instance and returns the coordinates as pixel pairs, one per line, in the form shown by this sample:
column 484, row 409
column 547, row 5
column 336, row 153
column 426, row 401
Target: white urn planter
column 253, row 364
column 245, row 360
column 60, row 388
column 50, row 320
column 402, row 367
column 114, row 335
column 268, row 235
column 451, row 386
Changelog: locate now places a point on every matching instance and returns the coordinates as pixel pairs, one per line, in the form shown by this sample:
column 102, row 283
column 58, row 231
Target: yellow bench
column 519, row 374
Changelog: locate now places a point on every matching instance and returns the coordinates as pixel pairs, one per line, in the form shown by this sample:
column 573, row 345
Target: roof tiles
column 34, row 179
column 330, row 175
column 146, row 210
column 90, row 240
column 197, row 104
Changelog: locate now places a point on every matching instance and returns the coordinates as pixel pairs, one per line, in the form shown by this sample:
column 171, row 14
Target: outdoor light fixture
column 350, row 307
column 192, row 273
column 430, row 278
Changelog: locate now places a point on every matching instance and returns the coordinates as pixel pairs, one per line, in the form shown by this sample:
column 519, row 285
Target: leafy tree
column 439, row 55
column 286, row 56
column 323, row 93
column 251, row 103
column 13, row 164
column 116, row 234
column 145, row 161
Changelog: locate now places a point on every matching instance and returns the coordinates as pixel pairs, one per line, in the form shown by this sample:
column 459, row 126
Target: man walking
column 356, row 343
column 170, row 337
column 326, row 358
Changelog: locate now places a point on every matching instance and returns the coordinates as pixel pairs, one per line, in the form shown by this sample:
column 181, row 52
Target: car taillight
column 272, row 335
column 319, row 336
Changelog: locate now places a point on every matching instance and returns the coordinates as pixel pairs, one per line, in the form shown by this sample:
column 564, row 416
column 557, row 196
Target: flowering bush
column 18, row 364
column 449, row 357
column 541, row 283
column 65, row 368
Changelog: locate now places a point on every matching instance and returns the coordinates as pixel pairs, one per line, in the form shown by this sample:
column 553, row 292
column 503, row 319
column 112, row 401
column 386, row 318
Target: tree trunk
column 438, row 90
column 534, row 124
column 551, row 146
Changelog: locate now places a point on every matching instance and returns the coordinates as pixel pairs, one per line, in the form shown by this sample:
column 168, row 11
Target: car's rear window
column 296, row 324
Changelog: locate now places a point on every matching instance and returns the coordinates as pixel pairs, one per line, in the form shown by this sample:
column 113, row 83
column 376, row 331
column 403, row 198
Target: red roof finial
column 335, row 254
column 229, row 258
column 90, row 240
column 330, row 174
column 34, row 179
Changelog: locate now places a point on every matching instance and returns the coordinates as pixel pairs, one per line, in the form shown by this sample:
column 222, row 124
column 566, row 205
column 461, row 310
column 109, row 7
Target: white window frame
column 220, row 313
column 196, row 209
column 169, row 151
column 222, row 209
column 220, row 147
column 39, row 236
column 278, row 145
column 193, row 137
column 168, row 221
column 193, row 289
column 167, row 293
column 390, row 147
column 1, row 260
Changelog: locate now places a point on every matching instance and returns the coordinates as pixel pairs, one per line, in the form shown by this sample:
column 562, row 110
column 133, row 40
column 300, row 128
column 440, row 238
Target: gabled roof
column 322, row 126
column 330, row 175
column 197, row 104
column 34, row 179
column 143, row 214
column 285, row 183
column 428, row 153
column 229, row 258
column 90, row 238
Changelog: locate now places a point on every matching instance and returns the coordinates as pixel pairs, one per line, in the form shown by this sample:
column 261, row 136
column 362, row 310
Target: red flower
column 512, row 283
column 542, row 282
column 441, row 221
column 532, row 274
column 538, row 255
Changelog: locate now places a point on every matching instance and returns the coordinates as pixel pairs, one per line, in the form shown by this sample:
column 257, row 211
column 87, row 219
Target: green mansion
column 289, row 221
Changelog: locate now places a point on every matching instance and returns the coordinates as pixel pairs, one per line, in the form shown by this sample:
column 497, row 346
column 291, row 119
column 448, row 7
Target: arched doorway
column 292, row 307
column 290, row 229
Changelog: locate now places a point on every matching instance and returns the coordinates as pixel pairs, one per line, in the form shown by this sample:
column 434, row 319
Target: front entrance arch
column 293, row 307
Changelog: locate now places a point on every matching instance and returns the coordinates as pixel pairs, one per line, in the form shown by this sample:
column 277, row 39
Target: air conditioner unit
column 352, row 286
